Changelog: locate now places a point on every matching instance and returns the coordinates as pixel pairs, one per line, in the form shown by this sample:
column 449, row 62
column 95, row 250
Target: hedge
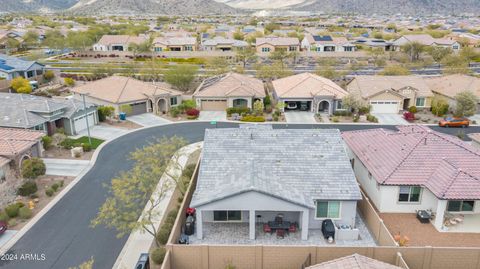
column 158, row 255
column 28, row 188
column 25, row 212
column 251, row 118
column 238, row 110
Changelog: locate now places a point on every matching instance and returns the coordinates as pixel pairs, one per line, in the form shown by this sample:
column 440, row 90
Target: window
column 409, row 194
column 173, row 101
column 455, row 47
column 348, row 48
column 420, row 102
column 328, row 209
column 227, row 215
column 459, row 206
column 339, row 104
column 157, row 49
column 265, row 49
column 293, row 48
column 318, row 49
column 188, row 48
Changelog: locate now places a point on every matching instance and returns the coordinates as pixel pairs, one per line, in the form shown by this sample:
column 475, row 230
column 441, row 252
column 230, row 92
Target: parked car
column 454, row 122
column 3, row 227
column 143, row 262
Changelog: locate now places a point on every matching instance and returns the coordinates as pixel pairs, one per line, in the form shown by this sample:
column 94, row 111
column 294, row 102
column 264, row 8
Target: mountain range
column 192, row 7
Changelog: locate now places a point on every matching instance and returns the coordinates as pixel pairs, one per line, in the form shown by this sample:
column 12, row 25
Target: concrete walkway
column 475, row 118
column 212, row 115
column 391, row 119
column 139, row 242
column 65, row 167
column 148, row 119
column 300, row 117
column 103, row 132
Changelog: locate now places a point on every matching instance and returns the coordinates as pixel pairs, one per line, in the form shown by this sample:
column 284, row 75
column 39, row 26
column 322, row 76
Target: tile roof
column 299, row 166
column 453, row 84
column 417, row 155
column 11, row 64
column 22, row 110
column 368, row 86
column 427, row 40
column 118, row 89
column 16, row 141
column 108, row 40
column 219, row 40
column 326, row 40
column 307, row 85
column 175, row 41
column 278, row 41
column 231, row 85
column 354, row 261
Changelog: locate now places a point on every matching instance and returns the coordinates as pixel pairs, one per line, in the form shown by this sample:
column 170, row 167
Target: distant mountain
column 363, row 6
column 164, row 7
column 118, row 7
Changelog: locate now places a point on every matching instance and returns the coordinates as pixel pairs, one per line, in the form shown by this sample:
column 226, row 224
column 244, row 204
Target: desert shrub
column 251, row 118
column 55, row 186
column 188, row 170
column 67, row 143
column 412, row 109
column 158, row 255
column 164, row 233
column 364, row 110
column 33, row 168
column 187, row 104
column 69, row 81
column 275, row 117
column 4, row 216
column 104, row 112
column 25, row 212
column 86, row 147
column 47, row 142
column 237, row 110
column 60, row 131
column 12, row 222
column 335, row 119
column 48, row 75
column 60, row 183
column 267, row 101
column 192, row 113
column 171, row 216
column 12, row 210
column 175, row 111
column 49, row 192
column 439, row 107
column 28, row 188
column 356, row 118
column 343, row 113
column 372, row 118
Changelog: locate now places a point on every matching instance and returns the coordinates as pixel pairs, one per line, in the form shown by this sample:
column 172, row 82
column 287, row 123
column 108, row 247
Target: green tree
column 49, row 75
column 238, row 35
column 328, row 72
column 246, row 55
column 127, row 109
column 54, row 40
column 438, row 53
column 376, row 54
column 12, row 44
column 413, row 50
column 79, row 40
column 131, row 190
column 30, row 39
column 216, row 66
column 21, row 85
column 280, row 56
column 395, row 70
column 181, row 76
column 455, row 64
column 466, row 104
column 274, row 71
column 469, row 54
column 353, row 102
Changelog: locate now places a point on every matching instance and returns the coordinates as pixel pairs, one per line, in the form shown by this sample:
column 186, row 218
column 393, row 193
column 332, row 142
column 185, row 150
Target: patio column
column 199, row 223
column 440, row 213
column 251, row 220
column 305, row 216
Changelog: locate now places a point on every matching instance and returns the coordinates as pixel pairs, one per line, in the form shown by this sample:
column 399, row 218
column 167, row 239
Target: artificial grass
column 95, row 141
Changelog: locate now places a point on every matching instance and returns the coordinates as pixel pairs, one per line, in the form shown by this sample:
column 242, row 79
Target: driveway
column 103, row 132
column 212, row 115
column 65, row 167
column 391, row 119
column 300, row 117
column 64, row 235
column 475, row 118
column 148, row 119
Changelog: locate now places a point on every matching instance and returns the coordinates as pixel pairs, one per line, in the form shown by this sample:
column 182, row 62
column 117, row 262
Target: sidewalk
column 139, row 242
column 65, row 167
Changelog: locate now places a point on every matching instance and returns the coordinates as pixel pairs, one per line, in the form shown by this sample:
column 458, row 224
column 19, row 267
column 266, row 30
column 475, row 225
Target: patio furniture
column 280, row 233
column 266, row 228
column 423, row 216
column 284, row 225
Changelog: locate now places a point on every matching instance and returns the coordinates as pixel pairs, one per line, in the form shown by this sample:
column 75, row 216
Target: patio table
column 279, row 226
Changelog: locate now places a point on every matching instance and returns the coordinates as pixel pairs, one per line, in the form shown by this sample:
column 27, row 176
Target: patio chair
column 280, row 233
column 292, row 228
column 267, row 228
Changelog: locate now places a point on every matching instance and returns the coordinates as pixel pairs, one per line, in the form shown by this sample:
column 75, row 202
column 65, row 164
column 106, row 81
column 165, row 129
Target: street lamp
column 86, row 118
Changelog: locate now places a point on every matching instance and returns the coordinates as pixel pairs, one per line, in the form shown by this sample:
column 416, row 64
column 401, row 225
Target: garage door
column 81, row 124
column 214, row 105
column 139, row 108
column 384, row 106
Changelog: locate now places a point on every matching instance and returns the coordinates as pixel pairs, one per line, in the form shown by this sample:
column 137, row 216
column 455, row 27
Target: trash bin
column 123, row 116
column 189, row 225
column 328, row 229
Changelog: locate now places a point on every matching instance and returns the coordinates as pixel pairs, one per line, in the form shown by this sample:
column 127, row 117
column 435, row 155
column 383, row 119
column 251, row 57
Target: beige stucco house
column 141, row 96
column 391, row 94
column 229, row 90
column 174, row 44
column 271, row 44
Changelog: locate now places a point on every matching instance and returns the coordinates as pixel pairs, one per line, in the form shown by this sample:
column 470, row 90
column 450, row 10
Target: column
column 252, row 224
column 199, row 223
column 305, row 224
column 440, row 213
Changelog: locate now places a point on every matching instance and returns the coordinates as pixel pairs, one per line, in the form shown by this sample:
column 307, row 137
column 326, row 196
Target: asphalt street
column 63, row 235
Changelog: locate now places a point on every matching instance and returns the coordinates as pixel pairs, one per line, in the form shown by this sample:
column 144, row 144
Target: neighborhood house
column 117, row 42
column 416, row 169
column 319, row 43
column 12, row 67
column 254, row 175
column 271, row 44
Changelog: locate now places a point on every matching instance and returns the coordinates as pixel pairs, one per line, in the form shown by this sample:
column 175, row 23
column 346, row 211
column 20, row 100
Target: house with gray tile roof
column 12, row 67
column 251, row 175
column 45, row 114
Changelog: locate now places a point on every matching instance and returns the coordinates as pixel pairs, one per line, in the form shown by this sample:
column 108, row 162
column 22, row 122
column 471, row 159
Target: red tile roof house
column 416, row 168
column 16, row 145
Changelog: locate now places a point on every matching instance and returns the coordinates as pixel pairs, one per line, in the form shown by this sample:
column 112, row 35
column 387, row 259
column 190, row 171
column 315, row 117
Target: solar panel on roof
column 322, row 38
column 5, row 67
